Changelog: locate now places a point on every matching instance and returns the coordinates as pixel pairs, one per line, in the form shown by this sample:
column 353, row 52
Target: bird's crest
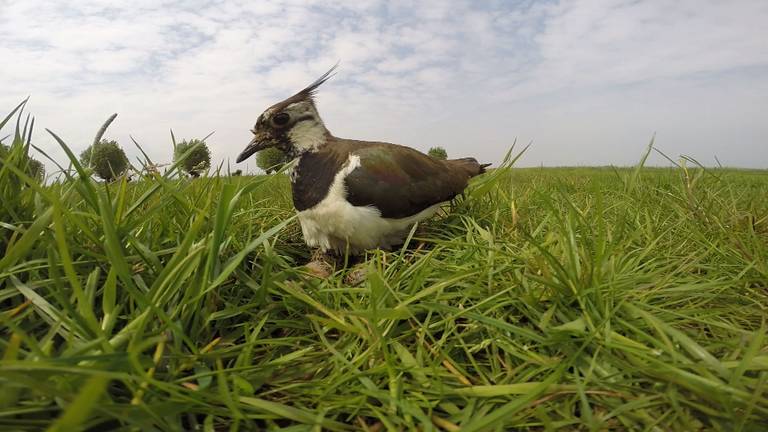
column 309, row 91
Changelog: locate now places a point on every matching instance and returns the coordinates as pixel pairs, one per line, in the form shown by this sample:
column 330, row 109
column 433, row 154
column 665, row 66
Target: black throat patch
column 313, row 176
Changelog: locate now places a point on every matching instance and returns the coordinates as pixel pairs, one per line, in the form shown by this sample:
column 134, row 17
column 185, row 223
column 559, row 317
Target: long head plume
column 309, row 91
column 284, row 122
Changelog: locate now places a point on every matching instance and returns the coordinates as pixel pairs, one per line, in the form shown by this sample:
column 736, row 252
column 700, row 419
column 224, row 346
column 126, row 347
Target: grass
column 548, row 299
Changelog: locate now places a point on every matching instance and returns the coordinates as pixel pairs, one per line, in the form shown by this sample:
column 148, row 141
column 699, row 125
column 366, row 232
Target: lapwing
column 354, row 195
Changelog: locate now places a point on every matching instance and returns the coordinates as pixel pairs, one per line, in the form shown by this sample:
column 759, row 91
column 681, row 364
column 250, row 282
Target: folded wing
column 400, row 181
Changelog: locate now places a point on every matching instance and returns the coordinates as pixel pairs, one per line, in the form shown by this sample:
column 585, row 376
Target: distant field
column 547, row 299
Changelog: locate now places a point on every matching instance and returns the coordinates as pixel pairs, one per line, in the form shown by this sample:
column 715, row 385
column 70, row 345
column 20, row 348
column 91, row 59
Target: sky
column 588, row 82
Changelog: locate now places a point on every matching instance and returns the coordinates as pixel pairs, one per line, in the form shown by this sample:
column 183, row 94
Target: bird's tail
column 469, row 165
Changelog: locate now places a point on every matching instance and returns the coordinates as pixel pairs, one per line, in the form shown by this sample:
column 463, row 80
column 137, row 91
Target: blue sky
column 588, row 82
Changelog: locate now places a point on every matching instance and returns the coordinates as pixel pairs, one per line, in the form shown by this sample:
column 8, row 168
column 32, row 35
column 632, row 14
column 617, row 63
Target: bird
column 351, row 195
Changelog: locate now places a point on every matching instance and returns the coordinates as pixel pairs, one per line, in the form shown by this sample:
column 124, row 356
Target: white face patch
column 309, row 132
column 306, row 136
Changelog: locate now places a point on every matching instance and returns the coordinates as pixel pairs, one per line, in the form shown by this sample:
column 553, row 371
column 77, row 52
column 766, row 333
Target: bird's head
column 292, row 125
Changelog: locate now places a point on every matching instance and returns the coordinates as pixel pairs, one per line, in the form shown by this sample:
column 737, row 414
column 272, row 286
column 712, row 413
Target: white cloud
column 596, row 43
column 588, row 81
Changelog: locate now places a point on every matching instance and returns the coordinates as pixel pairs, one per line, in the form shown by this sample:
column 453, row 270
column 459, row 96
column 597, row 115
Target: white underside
column 336, row 225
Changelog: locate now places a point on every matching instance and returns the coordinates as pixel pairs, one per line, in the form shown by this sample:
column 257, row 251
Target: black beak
column 257, row 144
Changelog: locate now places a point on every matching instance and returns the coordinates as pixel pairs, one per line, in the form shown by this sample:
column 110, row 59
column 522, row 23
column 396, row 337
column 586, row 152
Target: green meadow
column 544, row 299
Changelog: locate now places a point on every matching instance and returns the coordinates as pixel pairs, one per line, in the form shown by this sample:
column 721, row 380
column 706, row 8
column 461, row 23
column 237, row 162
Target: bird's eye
column 281, row 119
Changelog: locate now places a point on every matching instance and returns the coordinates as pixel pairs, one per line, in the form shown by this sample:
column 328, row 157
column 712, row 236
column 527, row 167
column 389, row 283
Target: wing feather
column 400, row 181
